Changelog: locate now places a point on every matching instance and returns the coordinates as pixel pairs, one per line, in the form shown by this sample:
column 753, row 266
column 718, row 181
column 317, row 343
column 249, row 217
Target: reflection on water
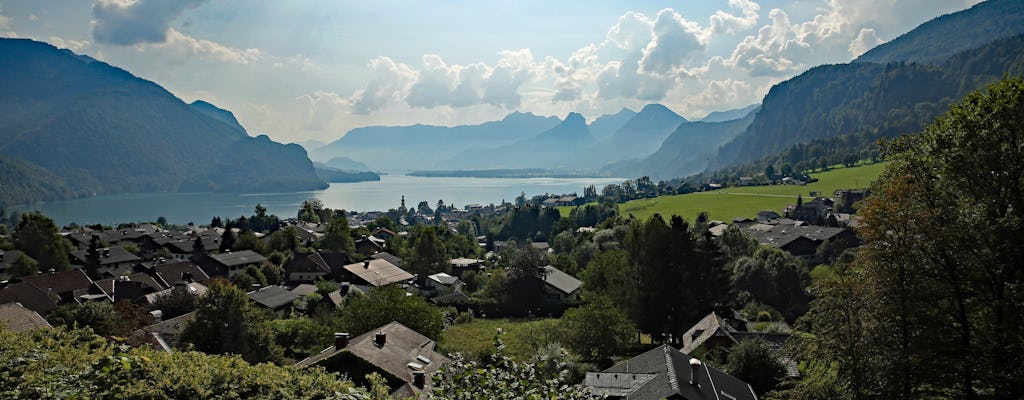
column 361, row 196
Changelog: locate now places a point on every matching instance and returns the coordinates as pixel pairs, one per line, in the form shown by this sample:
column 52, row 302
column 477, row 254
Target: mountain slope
column 729, row 115
column 102, row 130
column 551, row 149
column 219, row 114
column 686, row 151
column 859, row 103
column 639, row 137
column 421, row 146
column 935, row 41
column 606, row 125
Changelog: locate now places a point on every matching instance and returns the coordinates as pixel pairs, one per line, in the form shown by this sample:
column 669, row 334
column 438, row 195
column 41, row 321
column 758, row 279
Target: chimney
column 380, row 339
column 340, row 340
column 694, row 366
column 419, row 379
column 366, row 264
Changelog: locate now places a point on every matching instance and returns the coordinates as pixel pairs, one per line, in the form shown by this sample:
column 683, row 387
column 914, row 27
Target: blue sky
column 299, row 70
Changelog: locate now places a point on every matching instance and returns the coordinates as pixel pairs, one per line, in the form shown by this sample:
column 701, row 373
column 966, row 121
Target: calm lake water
column 362, row 196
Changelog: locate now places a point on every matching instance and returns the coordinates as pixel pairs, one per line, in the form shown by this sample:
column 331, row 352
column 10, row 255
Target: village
column 522, row 261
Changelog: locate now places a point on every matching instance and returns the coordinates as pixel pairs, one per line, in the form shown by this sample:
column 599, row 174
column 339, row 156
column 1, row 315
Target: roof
column 31, row 297
column 672, row 371
column 443, row 278
column 378, row 272
column 108, row 285
column 273, row 297
column 465, row 262
column 238, row 258
column 391, row 258
column 196, row 288
column 108, row 256
column 402, row 347
column 562, row 281
column 304, row 289
column 60, row 282
column 170, row 273
column 307, row 262
column 710, row 326
column 16, row 318
column 161, row 335
column 782, row 235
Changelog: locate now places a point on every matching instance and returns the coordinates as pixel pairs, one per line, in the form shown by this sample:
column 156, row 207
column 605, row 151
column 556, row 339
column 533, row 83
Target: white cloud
column 73, row 45
column 182, row 45
column 632, row 32
column 321, row 108
column 5, row 23
column 434, row 85
column 723, row 22
column 390, row 84
column 865, row 40
column 128, row 22
column 675, row 43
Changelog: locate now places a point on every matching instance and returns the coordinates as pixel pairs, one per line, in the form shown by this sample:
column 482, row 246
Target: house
column 369, row 245
column 801, row 241
column 230, row 264
column 128, row 287
column 14, row 317
column 384, row 233
column 560, row 286
column 714, row 331
column 70, row 286
column 845, row 199
column 38, row 300
column 440, row 284
column 391, row 258
column 170, row 273
column 542, row 246
column 196, row 289
column 405, row 358
column 765, row 215
column 114, row 261
column 308, row 267
column 667, row 373
column 374, row 273
column 462, row 265
column 273, row 297
column 304, row 289
column 163, row 335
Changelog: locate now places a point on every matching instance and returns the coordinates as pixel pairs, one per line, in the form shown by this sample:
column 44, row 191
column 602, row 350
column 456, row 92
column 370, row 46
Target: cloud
column 723, row 22
column 865, row 40
column 320, row 109
column 181, row 46
column 674, row 44
column 5, row 23
column 435, row 83
column 73, row 45
column 390, row 84
column 129, row 22
column 632, row 32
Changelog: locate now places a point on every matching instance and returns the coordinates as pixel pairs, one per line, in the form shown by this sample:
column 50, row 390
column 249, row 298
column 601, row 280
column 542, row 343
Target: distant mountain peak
column 575, row 118
column 218, row 114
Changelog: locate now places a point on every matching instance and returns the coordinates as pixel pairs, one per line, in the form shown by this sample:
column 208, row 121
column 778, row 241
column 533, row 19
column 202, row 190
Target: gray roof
column 444, row 278
column 170, row 273
column 402, row 346
column 672, row 369
column 161, row 335
column 33, row 298
column 237, row 258
column 108, row 255
column 378, row 272
column 781, row 235
column 391, row 258
column 561, row 280
column 59, row 282
column 16, row 318
column 197, row 289
column 273, row 297
column 304, row 289
column 710, row 326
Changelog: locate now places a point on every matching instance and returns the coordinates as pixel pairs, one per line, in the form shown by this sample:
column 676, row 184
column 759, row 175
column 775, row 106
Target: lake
column 361, row 196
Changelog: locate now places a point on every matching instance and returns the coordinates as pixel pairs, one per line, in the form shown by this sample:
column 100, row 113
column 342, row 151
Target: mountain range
column 94, row 129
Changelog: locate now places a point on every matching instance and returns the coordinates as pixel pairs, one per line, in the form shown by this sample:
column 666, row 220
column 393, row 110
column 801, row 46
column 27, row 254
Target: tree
column 610, row 275
column 176, row 302
column 525, row 268
column 37, row 236
column 227, row 239
column 383, row 305
column 770, row 171
column 597, row 331
column 938, row 277
column 225, row 322
column 247, row 240
column 752, row 362
column 310, row 211
column 736, row 243
column 23, row 266
column 337, row 236
column 773, row 277
column 428, row 254
column 198, row 249
column 283, row 240
column 92, row 257
column 499, row 377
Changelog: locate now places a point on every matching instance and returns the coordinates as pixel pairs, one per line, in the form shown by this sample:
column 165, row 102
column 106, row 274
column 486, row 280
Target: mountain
column 334, row 175
column 346, row 164
column 935, row 41
column 639, row 137
column 219, row 114
column 24, row 182
column 833, row 112
column 606, row 125
column 100, row 130
column 310, row 145
column 553, row 149
column 686, row 151
column 422, row 146
column 729, row 115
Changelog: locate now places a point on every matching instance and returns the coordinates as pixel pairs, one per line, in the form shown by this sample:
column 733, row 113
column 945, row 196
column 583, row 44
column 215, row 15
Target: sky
column 312, row 70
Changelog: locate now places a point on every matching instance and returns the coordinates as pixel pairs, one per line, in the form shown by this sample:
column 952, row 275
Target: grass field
column 727, row 203
column 476, row 337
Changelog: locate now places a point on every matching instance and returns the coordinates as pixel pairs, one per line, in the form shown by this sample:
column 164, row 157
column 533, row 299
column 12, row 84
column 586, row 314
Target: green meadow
column 727, row 203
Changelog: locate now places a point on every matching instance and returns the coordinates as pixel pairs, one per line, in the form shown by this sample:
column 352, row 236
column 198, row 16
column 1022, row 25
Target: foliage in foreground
column 77, row 364
column 499, row 377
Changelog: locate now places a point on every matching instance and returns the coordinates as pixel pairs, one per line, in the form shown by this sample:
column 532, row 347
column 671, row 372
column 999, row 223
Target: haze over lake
column 363, row 196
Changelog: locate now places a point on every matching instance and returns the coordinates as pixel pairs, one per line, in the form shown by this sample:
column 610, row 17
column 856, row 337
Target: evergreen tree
column 37, row 236
column 92, row 258
column 198, row 249
column 227, row 240
column 337, row 236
